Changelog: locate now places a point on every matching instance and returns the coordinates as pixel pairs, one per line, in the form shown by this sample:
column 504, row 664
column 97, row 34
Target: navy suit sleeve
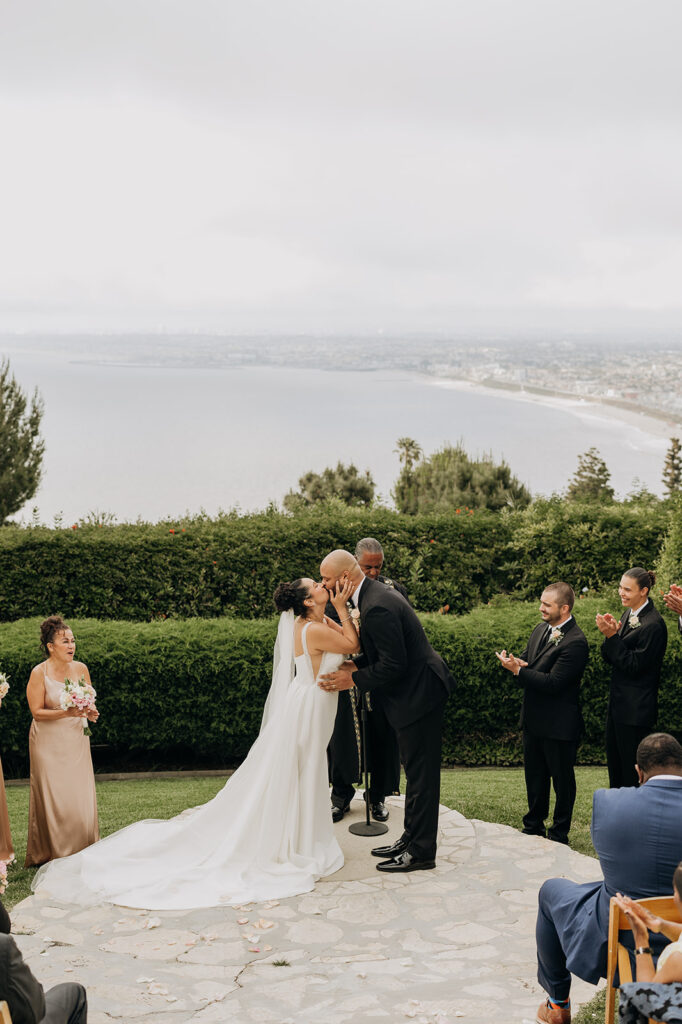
column 633, row 661
column 24, row 995
column 389, row 643
column 569, row 666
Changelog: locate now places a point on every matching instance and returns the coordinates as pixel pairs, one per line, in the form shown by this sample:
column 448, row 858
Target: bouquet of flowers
column 79, row 695
column 3, row 876
column 4, row 685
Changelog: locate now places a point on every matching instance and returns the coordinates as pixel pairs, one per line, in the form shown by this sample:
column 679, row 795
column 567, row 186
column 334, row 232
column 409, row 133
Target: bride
column 268, row 833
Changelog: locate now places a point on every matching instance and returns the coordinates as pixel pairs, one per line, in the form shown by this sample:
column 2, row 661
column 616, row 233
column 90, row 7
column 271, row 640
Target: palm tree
column 408, row 452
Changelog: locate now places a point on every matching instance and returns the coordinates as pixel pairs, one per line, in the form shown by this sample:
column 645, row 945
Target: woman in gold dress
column 6, row 848
column 62, row 816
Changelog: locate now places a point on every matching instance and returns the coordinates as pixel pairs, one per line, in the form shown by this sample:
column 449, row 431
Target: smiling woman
column 63, row 803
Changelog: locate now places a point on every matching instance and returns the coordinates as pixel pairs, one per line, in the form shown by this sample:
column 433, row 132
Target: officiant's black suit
column 414, row 682
column 636, row 658
column 552, row 723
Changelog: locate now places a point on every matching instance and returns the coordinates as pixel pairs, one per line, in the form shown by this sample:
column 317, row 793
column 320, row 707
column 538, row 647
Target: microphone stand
column 367, row 827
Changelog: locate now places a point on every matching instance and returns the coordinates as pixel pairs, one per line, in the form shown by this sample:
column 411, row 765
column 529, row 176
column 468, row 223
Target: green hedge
column 201, row 684
column 231, row 565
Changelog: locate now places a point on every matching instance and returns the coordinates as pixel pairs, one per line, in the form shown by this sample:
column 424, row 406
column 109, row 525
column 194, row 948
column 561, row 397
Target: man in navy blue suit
column 637, row 834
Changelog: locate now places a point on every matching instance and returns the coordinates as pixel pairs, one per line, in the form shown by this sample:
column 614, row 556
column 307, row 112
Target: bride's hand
column 342, row 595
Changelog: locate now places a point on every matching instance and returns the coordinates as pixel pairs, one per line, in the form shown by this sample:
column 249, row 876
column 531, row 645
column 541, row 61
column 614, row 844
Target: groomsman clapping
column 550, row 670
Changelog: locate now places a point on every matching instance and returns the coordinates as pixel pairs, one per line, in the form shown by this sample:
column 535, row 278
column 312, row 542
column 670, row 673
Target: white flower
column 4, row 685
column 633, row 621
column 556, row 636
column 355, row 616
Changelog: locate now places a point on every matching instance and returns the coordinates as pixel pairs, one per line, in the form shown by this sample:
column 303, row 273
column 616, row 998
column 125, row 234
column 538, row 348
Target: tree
column 590, row 482
column 408, row 451
column 449, row 479
column 21, row 447
column 672, row 468
column 344, row 483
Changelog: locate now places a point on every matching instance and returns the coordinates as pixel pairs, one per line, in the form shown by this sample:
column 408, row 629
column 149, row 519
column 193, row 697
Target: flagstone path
column 435, row 947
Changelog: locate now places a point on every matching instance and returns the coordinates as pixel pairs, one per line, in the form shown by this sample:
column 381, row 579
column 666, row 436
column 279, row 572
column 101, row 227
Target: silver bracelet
column 347, row 619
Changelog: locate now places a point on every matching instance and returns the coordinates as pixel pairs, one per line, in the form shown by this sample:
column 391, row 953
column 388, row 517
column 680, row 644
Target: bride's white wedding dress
column 267, row 834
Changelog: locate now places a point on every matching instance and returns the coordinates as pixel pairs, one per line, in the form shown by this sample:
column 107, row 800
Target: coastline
column 657, row 424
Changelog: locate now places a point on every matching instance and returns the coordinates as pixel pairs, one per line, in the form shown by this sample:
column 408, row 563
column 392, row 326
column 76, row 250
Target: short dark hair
column 642, row 577
column 564, row 594
column 659, row 750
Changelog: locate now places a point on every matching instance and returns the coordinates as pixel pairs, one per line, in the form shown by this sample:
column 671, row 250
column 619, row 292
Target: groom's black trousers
column 420, row 750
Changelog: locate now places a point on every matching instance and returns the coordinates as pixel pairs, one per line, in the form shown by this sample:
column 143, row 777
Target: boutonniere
column 355, row 618
column 556, row 636
column 633, row 622
column 4, row 685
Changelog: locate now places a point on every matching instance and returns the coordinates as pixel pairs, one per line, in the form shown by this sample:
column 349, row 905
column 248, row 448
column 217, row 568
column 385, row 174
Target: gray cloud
column 258, row 164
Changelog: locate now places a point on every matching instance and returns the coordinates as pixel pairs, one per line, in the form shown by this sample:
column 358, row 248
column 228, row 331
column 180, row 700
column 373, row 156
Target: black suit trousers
column 420, row 749
column 66, row 1004
column 546, row 760
column 621, row 752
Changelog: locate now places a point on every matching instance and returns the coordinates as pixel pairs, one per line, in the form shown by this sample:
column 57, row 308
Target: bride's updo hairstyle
column 641, row 577
column 49, row 629
column 291, row 595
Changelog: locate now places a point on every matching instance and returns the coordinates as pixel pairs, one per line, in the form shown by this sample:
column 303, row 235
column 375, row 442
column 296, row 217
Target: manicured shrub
column 201, row 684
column 231, row 565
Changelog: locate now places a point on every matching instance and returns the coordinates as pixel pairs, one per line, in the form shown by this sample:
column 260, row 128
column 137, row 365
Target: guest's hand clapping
column 641, row 920
column 673, row 599
column 607, row 625
column 510, row 662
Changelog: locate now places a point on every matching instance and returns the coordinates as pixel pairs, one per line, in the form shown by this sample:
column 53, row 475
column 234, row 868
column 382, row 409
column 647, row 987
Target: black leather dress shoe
column 379, row 811
column 390, row 851
column 405, row 862
column 338, row 812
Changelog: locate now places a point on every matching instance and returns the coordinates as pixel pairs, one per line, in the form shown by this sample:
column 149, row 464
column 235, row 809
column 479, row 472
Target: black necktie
column 544, row 639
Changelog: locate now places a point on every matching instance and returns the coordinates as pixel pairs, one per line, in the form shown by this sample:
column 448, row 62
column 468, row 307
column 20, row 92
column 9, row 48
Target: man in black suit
column 27, row 1000
column 414, row 682
column 634, row 648
column 345, row 752
column 550, row 670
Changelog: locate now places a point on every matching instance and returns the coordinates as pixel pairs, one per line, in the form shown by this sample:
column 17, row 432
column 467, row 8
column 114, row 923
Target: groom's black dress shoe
column 405, row 862
column 338, row 812
column 390, row 851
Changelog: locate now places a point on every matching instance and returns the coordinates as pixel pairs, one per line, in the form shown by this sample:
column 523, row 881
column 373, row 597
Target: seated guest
column 637, row 833
column 657, row 991
column 27, row 1000
column 634, row 648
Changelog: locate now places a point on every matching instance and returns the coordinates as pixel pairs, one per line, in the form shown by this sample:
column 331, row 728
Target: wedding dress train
column 267, row 834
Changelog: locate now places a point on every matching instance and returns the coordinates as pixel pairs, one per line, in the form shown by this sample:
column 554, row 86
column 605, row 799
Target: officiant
column 345, row 754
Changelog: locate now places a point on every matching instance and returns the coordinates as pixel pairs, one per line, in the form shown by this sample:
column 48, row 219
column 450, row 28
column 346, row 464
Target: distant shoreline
column 655, row 422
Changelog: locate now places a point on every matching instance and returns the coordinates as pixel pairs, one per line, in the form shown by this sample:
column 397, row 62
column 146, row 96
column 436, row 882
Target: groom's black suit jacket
column 636, row 658
column 397, row 658
column 551, row 682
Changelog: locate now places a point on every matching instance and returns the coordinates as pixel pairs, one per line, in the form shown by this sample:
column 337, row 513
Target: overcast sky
column 354, row 164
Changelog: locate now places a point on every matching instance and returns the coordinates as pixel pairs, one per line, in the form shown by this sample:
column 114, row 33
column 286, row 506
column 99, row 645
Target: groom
column 414, row 683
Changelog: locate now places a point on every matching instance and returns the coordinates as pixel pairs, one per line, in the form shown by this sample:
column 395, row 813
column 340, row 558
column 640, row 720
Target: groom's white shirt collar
column 355, row 596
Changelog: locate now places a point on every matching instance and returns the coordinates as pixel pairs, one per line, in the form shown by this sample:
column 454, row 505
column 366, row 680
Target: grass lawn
column 492, row 794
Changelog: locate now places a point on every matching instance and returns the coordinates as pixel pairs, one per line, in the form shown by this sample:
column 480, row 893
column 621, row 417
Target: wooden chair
column 5, row 1017
column 662, row 906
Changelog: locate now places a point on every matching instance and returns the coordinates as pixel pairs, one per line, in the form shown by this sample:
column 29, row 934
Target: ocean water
column 155, row 442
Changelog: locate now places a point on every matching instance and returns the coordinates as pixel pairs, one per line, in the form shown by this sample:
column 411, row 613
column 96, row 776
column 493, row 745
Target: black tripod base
column 368, row 828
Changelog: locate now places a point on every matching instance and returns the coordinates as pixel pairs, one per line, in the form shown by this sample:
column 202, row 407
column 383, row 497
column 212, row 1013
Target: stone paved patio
column 435, row 947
